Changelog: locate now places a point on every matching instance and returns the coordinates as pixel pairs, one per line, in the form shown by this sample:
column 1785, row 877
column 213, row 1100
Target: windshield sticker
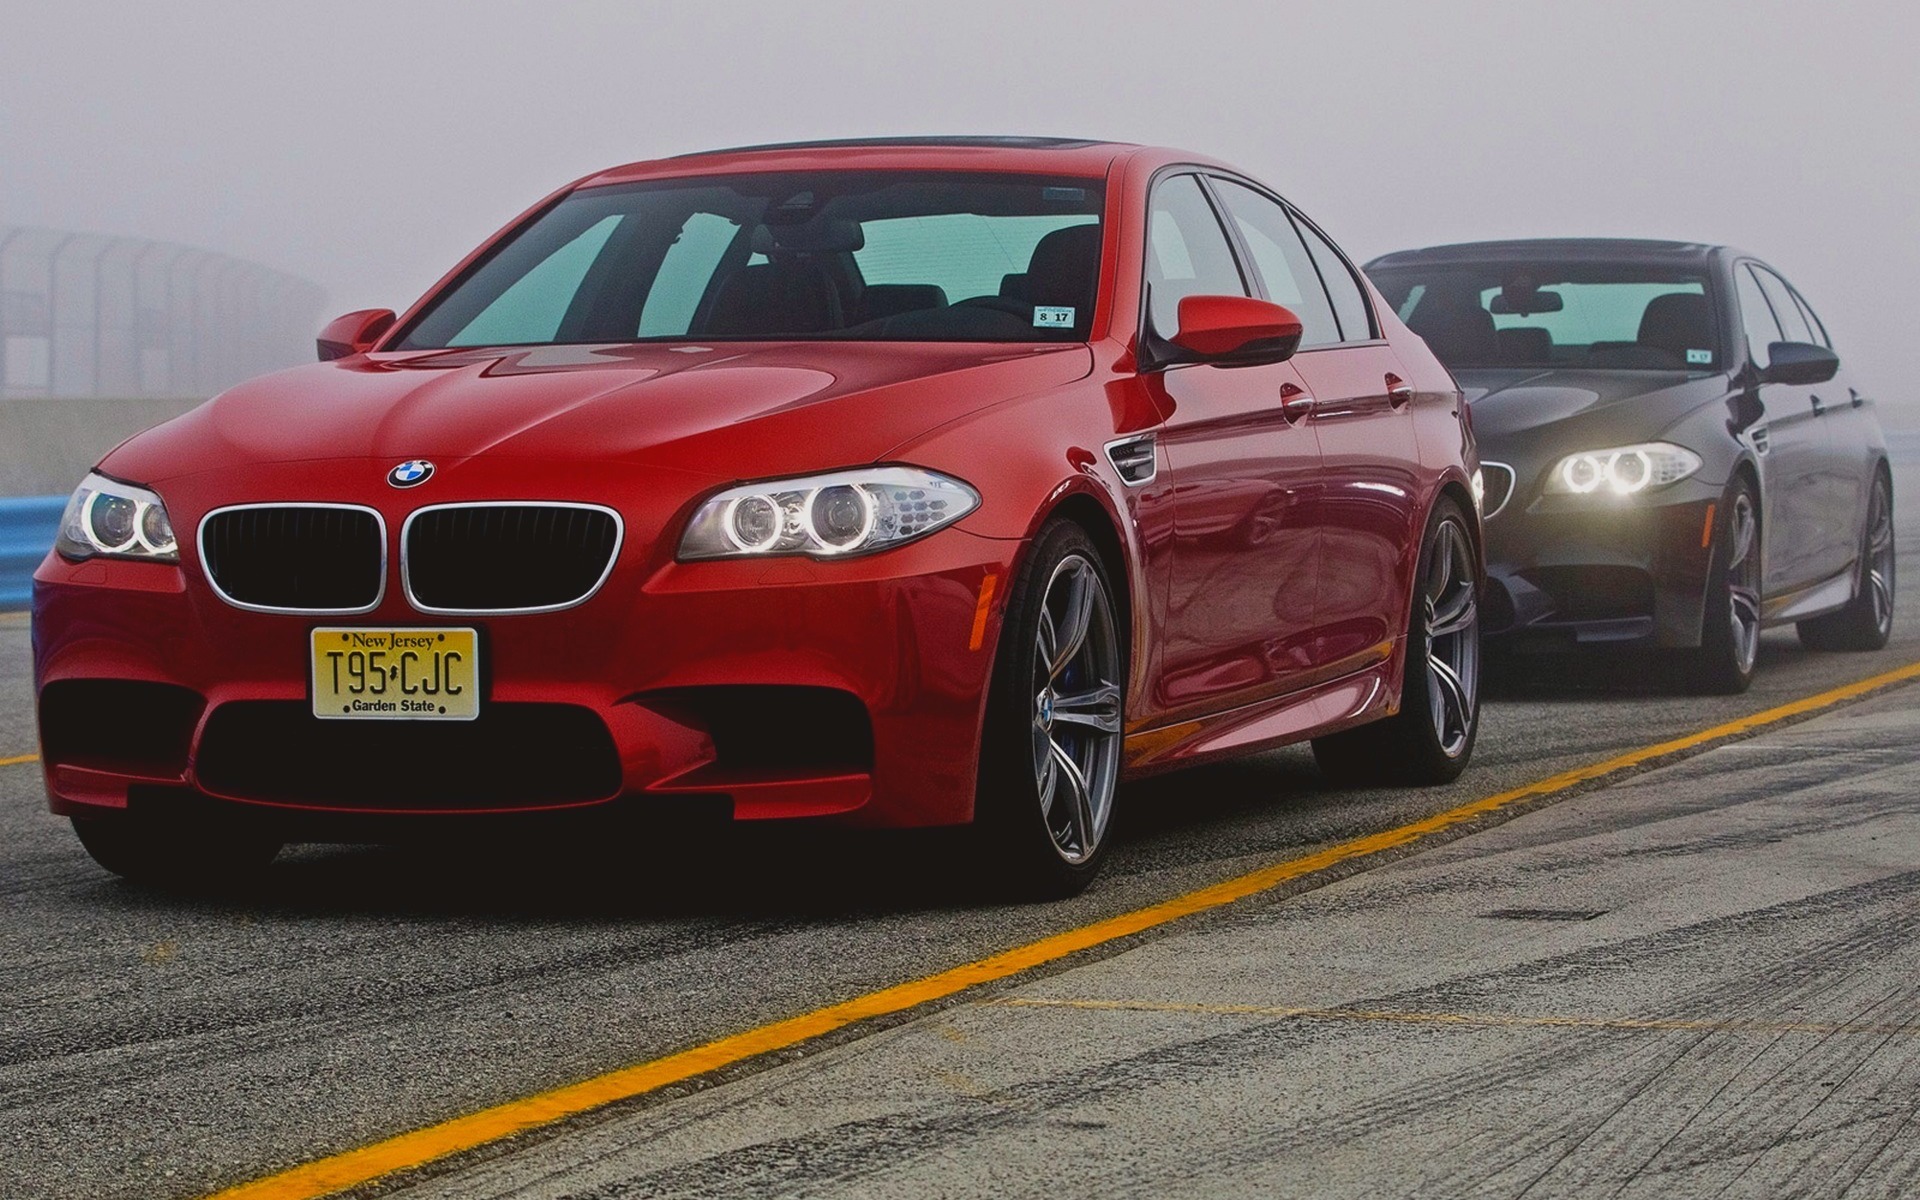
column 1698, row 358
column 1047, row 317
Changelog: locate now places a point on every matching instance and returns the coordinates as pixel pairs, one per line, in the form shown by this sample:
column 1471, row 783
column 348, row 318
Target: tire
column 1730, row 619
column 188, row 857
column 1050, row 747
column 1867, row 621
column 1430, row 740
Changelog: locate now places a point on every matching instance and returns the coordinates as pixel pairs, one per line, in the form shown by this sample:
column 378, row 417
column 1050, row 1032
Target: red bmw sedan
column 921, row 482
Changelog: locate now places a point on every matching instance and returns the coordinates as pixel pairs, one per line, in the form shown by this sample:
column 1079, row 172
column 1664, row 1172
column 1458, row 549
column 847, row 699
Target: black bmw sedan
column 1673, row 455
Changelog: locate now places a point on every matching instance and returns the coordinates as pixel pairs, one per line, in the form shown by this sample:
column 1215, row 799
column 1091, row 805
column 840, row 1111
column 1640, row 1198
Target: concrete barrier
column 48, row 443
column 27, row 526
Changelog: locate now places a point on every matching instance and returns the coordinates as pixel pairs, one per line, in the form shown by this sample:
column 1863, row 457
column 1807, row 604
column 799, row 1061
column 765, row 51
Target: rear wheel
column 1867, row 621
column 1431, row 738
column 1050, row 759
column 1730, row 621
column 187, row 856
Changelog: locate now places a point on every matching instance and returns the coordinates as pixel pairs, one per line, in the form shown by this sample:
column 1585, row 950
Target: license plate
column 396, row 674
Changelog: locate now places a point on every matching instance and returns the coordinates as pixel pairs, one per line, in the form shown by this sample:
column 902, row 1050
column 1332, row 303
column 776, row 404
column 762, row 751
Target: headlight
column 1622, row 471
column 826, row 516
column 116, row 520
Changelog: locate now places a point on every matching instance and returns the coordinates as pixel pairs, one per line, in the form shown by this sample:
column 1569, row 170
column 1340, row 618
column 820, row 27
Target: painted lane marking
column 19, row 758
column 1473, row 1020
column 417, row 1148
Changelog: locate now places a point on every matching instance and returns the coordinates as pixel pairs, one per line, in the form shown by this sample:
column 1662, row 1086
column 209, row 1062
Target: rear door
column 1792, row 447
column 1241, row 601
column 1361, row 413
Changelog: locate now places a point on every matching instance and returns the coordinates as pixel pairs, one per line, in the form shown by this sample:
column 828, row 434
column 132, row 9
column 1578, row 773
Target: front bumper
column 786, row 688
column 1567, row 570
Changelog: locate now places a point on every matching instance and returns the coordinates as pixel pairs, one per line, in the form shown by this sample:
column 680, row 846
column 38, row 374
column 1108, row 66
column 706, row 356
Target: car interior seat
column 792, row 292
column 1677, row 323
column 1526, row 344
column 1456, row 328
column 1062, row 272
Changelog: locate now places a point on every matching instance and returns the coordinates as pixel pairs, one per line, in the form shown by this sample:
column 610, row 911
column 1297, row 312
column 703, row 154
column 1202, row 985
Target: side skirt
column 1338, row 704
column 1812, row 601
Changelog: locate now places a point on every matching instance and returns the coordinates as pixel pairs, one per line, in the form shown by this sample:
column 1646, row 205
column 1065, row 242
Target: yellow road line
column 1474, row 1020
column 19, row 758
column 350, row 1168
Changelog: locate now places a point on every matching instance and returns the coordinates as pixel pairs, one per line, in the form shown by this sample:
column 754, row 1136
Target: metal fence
column 85, row 314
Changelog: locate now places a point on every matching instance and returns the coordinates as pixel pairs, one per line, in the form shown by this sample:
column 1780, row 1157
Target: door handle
column 1399, row 391
column 1296, row 403
column 1819, row 407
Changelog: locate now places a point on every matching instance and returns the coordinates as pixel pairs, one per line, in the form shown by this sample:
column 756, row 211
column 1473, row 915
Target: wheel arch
column 1099, row 524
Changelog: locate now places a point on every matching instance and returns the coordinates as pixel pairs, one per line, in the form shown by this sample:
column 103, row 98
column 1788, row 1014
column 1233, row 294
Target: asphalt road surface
column 1706, row 981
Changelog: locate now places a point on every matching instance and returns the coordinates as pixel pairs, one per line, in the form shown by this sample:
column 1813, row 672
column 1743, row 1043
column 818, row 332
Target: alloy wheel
column 1880, row 557
column 1453, row 638
column 1077, row 704
column 1743, row 580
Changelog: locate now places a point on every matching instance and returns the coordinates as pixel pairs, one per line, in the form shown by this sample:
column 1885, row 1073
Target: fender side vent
column 1134, row 458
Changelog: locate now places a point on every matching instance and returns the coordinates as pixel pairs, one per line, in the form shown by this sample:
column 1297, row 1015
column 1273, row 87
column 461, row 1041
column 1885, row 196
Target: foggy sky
column 368, row 145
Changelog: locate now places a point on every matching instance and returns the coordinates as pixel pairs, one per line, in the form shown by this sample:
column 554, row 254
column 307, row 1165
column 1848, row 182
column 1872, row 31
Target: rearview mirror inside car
column 1800, row 362
column 1511, row 303
column 1235, row 331
column 355, row 333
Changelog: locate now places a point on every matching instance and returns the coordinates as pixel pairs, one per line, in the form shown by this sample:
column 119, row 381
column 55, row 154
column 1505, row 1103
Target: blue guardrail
column 27, row 526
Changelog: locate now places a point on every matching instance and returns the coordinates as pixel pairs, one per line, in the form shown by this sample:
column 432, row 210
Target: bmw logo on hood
column 411, row 473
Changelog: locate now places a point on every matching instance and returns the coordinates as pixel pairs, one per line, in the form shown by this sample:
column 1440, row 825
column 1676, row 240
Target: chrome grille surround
column 408, row 554
column 212, row 576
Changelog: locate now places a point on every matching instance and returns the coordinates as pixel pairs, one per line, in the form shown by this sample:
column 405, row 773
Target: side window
column 1356, row 325
column 1793, row 326
column 1756, row 316
column 1187, row 252
column 1813, row 320
column 532, row 309
column 684, row 274
column 1281, row 259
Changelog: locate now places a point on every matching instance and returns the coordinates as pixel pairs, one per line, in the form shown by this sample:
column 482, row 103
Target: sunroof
column 1003, row 142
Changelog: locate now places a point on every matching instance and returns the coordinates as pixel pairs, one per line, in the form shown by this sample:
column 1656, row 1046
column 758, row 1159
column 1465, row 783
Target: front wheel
column 1050, row 758
column 1867, row 621
column 1430, row 739
column 1730, row 621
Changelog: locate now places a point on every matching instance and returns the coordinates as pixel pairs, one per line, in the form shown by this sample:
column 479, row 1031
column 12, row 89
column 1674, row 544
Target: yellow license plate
column 396, row 674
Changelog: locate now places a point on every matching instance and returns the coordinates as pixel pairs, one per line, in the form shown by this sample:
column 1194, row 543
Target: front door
column 1241, row 605
column 1791, row 444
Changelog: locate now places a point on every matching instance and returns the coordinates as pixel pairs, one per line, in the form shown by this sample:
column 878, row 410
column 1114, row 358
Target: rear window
column 1615, row 316
column 883, row 256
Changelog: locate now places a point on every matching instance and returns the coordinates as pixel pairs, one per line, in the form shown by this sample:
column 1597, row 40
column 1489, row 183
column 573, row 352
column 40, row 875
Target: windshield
column 1611, row 316
column 886, row 256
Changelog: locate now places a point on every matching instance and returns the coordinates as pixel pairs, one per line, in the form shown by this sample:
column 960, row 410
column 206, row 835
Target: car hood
column 724, row 411
column 1545, row 410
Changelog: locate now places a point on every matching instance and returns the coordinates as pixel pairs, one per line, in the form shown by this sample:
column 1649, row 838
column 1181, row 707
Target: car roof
column 1644, row 250
column 1022, row 155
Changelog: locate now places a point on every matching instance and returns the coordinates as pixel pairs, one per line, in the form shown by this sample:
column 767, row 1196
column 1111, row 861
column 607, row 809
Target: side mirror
column 354, row 333
column 1235, row 331
column 1799, row 362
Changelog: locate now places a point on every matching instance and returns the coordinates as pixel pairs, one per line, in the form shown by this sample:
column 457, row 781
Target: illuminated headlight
column 116, row 520
column 826, row 516
column 1622, row 471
